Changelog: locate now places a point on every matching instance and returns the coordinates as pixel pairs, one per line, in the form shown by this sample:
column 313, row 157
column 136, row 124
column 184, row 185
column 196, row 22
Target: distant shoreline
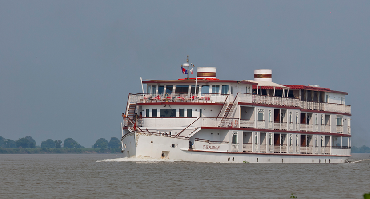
column 57, row 150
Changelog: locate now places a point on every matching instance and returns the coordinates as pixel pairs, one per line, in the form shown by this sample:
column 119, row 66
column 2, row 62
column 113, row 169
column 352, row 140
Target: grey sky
column 66, row 67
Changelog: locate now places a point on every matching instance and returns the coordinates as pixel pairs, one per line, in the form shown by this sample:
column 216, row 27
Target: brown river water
column 109, row 176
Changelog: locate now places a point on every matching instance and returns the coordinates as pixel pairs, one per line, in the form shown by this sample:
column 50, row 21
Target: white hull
column 147, row 146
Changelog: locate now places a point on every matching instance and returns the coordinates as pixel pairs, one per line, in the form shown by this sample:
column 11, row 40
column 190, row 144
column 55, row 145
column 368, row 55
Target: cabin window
column 225, row 89
column 149, row 89
column 215, row 89
column 168, row 112
column 260, row 114
column 160, row 89
column 193, row 89
column 189, row 113
column 205, row 89
column 322, row 120
column 154, row 89
column 327, row 98
column 200, row 112
column 181, row 113
column 235, row 138
column 339, row 121
column 147, row 113
column 182, row 89
column 154, row 112
column 169, row 89
column 290, row 117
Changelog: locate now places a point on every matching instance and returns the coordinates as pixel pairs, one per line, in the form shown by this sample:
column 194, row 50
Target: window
column 168, row 112
column 189, row 113
column 169, row 89
column 182, row 89
column 225, row 89
column 316, row 119
column 235, row 138
column 339, row 121
column 232, row 90
column 200, row 112
column 181, row 113
column 215, row 88
column 205, row 89
column 160, row 89
column 260, row 114
column 290, row 117
column 147, row 113
column 327, row 98
column 154, row 89
column 193, row 89
column 154, row 112
column 148, row 88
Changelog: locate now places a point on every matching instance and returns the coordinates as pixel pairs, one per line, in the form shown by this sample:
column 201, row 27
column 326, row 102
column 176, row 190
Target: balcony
column 244, row 98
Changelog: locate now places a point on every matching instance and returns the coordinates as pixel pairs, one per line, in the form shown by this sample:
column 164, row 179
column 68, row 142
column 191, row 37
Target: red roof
column 192, row 80
column 302, row 87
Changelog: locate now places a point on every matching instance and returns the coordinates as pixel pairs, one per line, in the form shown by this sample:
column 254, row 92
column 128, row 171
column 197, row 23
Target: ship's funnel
column 206, row 72
column 263, row 75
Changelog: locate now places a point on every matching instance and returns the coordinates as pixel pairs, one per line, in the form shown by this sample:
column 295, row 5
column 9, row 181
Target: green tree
column 58, row 144
column 26, row 142
column 114, row 143
column 71, row 143
column 49, row 143
column 10, row 143
column 101, row 143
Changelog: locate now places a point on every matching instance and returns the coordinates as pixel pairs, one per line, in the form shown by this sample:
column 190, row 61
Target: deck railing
column 247, row 147
column 244, row 98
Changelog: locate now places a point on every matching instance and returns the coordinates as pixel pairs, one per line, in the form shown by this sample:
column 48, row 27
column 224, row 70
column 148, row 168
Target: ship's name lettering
column 211, row 147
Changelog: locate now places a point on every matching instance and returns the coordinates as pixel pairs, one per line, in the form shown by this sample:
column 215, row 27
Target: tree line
column 29, row 142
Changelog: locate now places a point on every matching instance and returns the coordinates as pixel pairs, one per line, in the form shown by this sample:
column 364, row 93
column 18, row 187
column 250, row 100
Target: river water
column 109, row 176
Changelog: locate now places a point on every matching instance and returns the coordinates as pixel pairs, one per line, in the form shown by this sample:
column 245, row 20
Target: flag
column 191, row 70
column 184, row 71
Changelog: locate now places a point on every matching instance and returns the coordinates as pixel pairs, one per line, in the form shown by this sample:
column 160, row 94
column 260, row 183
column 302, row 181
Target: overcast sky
column 66, row 67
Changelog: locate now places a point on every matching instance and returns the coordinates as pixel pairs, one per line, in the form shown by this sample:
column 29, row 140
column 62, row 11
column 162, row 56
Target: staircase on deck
column 227, row 112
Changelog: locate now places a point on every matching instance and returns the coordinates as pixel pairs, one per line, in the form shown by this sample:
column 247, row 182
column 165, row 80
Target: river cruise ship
column 205, row 119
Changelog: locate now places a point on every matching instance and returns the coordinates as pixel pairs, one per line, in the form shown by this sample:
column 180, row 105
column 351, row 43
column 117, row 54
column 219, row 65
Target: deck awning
column 268, row 85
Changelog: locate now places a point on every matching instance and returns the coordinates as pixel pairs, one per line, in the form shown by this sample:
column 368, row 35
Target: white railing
column 306, row 127
column 246, row 98
column 325, row 128
column 234, row 148
column 261, row 124
column 271, row 125
column 339, row 129
column 247, row 147
column 247, row 123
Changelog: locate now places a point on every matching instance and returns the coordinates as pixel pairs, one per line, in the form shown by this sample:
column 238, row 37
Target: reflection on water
column 109, row 175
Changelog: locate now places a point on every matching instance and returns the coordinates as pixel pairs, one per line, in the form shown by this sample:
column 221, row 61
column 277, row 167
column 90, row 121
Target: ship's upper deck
column 206, row 88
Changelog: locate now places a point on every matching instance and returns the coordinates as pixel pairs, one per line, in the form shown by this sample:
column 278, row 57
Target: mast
column 188, row 66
